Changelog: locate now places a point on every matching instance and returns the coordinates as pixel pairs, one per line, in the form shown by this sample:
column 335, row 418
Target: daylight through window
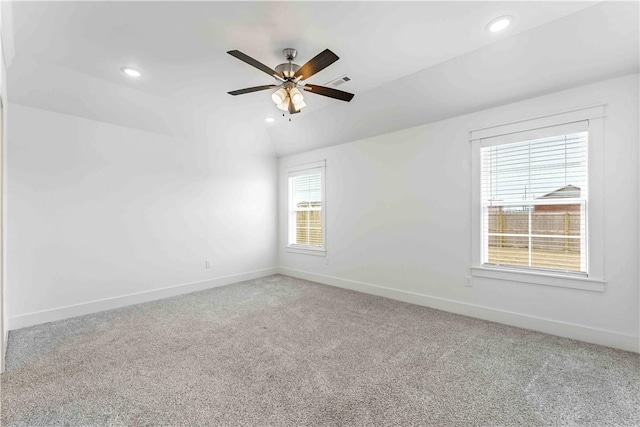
column 534, row 203
column 306, row 228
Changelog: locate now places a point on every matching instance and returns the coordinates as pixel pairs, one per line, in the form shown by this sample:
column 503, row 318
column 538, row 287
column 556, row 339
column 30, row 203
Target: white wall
column 6, row 55
column 398, row 221
column 3, row 311
column 100, row 211
column 4, row 320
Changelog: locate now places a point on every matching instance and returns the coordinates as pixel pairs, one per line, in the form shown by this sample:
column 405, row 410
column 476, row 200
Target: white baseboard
column 60, row 313
column 549, row 326
column 5, row 341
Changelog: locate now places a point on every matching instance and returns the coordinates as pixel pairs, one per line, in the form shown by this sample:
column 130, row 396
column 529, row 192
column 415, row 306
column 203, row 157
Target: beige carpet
column 282, row 351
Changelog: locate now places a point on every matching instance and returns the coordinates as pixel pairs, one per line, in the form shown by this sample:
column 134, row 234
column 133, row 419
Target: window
column 306, row 208
column 537, row 200
column 534, row 202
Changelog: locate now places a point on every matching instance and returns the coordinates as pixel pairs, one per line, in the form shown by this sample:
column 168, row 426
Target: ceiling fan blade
column 250, row 89
column 292, row 108
column 327, row 91
column 257, row 64
column 317, row 63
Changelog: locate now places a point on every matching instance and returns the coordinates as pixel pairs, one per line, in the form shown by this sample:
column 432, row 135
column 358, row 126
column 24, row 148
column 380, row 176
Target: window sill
column 306, row 251
column 535, row 278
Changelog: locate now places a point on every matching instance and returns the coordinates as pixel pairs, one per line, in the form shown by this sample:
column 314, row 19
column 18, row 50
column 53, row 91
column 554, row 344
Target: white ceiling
column 596, row 43
column 68, row 57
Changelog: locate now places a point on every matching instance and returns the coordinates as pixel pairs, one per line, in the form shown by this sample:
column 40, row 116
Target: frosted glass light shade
column 279, row 96
column 296, row 95
column 299, row 105
column 284, row 106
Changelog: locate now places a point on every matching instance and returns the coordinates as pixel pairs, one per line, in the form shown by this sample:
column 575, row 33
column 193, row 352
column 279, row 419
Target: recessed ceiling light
column 499, row 24
column 131, row 72
column 269, row 120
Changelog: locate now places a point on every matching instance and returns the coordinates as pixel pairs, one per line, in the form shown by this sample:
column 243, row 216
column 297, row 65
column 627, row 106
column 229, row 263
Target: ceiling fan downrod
column 288, row 70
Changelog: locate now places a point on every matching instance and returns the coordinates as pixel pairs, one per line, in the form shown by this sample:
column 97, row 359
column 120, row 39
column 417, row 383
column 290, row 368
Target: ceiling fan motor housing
column 287, row 69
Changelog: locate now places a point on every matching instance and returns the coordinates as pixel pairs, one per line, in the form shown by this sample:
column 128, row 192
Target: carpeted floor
column 283, row 351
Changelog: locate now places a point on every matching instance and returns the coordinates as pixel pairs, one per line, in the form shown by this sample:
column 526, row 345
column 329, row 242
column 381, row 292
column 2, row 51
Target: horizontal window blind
column 534, row 201
column 543, row 132
column 305, row 209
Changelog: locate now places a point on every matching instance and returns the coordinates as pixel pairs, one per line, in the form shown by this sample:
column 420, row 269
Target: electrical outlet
column 468, row 281
column 207, row 264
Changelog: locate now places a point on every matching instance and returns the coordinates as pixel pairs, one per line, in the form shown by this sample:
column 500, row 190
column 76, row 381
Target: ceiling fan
column 289, row 79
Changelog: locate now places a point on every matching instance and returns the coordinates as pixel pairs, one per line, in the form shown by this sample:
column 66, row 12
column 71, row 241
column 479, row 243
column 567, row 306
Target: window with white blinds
column 306, row 200
column 534, row 195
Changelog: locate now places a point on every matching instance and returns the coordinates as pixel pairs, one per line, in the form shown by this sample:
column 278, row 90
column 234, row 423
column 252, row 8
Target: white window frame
column 306, row 169
column 594, row 279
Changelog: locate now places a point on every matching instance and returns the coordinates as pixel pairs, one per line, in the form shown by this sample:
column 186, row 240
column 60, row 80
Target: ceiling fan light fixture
column 284, row 105
column 299, row 105
column 296, row 96
column 279, row 96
